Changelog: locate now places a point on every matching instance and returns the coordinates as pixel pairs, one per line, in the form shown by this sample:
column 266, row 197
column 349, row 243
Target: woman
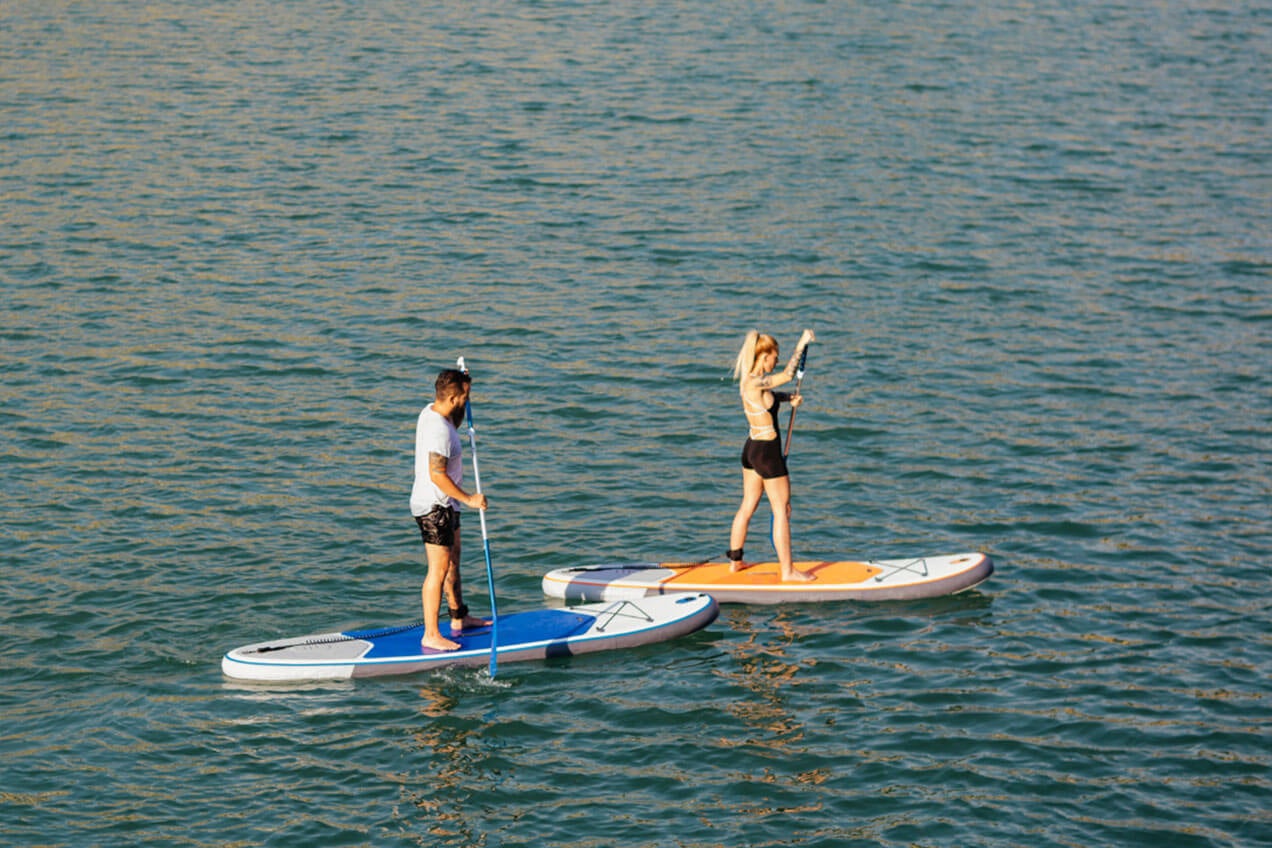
column 763, row 465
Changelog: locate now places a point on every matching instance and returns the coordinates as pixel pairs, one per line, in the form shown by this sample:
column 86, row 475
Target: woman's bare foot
column 796, row 576
column 459, row 625
column 440, row 643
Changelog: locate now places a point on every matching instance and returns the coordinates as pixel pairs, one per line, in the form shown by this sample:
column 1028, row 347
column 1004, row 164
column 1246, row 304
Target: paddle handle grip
column 472, row 438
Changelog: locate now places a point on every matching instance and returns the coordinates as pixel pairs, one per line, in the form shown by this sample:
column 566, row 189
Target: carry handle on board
column 485, row 537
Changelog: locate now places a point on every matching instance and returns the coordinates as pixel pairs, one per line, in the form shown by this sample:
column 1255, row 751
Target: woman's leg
column 778, row 490
column 752, row 491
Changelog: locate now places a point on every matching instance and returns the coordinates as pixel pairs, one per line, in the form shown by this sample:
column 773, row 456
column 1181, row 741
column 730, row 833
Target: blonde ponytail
column 755, row 345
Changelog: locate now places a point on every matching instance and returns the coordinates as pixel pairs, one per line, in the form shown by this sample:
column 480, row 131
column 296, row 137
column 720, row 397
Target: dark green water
column 239, row 239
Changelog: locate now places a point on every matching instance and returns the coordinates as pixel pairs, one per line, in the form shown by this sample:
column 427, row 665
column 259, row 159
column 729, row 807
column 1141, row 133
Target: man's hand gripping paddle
column 485, row 538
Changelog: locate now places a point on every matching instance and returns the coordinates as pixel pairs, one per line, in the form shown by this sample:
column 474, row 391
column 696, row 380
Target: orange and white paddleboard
column 870, row 580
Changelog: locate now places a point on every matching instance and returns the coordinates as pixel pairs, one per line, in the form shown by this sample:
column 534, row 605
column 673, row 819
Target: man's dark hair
column 450, row 382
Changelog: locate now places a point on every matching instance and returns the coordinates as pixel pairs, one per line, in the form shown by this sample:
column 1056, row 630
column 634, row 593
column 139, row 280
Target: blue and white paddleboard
column 531, row 635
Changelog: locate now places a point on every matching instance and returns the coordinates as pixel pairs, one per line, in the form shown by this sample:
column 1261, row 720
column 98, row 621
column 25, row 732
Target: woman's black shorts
column 764, row 458
column 438, row 526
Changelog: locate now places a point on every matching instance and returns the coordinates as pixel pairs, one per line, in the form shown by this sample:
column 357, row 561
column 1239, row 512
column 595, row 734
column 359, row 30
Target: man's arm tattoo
column 436, row 462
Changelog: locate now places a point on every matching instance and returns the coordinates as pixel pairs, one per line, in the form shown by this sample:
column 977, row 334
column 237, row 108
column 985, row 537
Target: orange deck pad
column 766, row 573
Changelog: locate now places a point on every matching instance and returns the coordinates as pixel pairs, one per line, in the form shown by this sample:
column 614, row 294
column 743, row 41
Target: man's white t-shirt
column 434, row 433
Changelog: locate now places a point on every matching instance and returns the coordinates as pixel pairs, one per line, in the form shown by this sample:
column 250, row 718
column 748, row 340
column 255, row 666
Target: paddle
column 790, row 427
column 485, row 538
column 799, row 380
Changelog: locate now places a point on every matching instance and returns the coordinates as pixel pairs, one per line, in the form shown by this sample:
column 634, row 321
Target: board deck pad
column 529, row 635
column 515, row 629
column 761, row 583
column 768, row 573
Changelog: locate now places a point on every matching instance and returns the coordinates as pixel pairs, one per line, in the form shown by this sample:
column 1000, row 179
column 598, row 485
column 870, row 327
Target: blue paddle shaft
column 485, row 537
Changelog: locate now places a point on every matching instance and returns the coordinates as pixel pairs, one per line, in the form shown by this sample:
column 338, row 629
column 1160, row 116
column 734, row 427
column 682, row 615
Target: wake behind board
column 874, row 580
column 531, row 635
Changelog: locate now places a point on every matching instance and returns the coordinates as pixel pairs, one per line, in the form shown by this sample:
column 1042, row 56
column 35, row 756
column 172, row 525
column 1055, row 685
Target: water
column 239, row 239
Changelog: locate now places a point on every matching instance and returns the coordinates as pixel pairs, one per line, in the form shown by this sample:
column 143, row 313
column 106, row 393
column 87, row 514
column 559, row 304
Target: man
column 435, row 494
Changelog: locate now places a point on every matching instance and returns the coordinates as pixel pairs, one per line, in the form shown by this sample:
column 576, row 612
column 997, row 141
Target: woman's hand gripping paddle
column 485, row 538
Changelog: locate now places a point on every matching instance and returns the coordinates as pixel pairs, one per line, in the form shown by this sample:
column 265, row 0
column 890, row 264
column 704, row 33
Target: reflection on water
column 440, row 796
column 762, row 671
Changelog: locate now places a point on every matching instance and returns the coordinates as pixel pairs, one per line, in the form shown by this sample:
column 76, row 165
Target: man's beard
column 457, row 416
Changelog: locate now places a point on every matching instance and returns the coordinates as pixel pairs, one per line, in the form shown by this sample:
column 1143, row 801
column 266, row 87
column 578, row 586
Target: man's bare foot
column 738, row 565
column 439, row 643
column 796, row 576
column 459, row 625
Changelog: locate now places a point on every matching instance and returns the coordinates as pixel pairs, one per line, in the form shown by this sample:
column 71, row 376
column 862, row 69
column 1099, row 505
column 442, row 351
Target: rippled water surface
column 239, row 239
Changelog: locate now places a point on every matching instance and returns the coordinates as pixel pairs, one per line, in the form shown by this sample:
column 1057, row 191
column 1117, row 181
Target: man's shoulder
column 431, row 420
